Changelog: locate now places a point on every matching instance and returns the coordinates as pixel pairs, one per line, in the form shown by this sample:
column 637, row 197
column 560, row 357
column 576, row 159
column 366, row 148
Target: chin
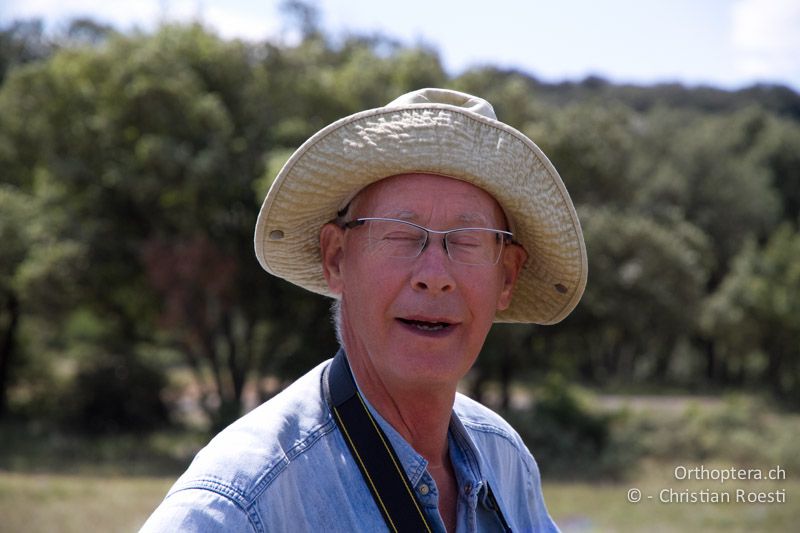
column 429, row 365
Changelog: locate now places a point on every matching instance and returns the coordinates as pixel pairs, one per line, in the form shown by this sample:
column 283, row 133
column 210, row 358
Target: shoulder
column 496, row 440
column 246, row 457
column 507, row 464
column 479, row 419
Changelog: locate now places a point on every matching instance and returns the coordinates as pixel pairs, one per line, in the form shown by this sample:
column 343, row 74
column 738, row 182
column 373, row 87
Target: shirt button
column 424, row 489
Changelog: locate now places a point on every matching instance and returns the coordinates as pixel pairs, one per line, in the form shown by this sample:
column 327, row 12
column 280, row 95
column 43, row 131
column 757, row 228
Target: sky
column 722, row 43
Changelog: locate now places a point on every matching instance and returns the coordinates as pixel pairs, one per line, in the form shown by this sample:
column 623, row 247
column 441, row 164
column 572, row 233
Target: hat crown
column 448, row 97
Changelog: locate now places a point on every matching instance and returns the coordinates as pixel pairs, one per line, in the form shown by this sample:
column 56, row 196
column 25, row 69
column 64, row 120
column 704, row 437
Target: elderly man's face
column 417, row 320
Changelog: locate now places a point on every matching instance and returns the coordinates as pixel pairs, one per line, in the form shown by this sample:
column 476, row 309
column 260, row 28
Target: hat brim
column 343, row 158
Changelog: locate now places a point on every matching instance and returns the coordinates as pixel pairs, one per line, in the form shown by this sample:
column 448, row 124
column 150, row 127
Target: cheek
column 485, row 292
column 370, row 284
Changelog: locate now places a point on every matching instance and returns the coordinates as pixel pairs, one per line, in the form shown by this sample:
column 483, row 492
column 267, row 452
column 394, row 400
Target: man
column 426, row 220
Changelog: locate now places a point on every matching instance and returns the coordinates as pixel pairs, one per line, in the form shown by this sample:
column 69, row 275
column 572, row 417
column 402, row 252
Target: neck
column 421, row 414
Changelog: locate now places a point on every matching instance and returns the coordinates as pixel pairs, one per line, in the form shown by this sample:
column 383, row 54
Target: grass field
column 583, row 507
column 77, row 503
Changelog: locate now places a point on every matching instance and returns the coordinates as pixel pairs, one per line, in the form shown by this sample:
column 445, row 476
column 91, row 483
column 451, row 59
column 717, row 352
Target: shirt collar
column 413, row 463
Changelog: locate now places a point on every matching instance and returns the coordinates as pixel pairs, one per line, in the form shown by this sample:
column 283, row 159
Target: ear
column 331, row 242
column 514, row 257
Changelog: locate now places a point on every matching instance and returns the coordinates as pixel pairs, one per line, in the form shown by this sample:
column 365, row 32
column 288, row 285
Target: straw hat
column 433, row 131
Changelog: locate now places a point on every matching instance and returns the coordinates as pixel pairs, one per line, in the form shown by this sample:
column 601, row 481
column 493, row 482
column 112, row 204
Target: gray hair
column 336, row 319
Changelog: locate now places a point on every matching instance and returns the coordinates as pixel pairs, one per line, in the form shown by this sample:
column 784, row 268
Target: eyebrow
column 473, row 218
column 467, row 218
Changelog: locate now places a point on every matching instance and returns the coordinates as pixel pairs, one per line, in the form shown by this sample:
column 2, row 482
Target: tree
column 17, row 210
column 21, row 42
column 754, row 316
column 592, row 148
column 36, row 273
column 703, row 169
column 139, row 139
column 777, row 149
column 643, row 300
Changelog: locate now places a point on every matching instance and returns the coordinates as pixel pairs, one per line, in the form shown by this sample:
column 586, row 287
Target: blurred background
column 138, row 141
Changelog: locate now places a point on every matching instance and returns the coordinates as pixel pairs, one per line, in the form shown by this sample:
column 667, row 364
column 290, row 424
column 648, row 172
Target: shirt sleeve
column 197, row 510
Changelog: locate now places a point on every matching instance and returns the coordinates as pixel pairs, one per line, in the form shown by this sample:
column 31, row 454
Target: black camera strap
column 373, row 452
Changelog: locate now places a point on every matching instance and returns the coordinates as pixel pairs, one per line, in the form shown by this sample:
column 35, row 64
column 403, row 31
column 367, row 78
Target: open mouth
column 426, row 326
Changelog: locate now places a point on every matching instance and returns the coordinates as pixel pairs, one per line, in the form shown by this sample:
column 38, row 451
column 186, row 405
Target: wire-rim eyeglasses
column 402, row 239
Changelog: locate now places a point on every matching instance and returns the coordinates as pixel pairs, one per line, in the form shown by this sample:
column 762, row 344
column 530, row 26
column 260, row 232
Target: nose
column 432, row 269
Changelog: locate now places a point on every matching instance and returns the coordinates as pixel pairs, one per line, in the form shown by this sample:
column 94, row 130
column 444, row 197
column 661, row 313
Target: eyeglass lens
column 469, row 246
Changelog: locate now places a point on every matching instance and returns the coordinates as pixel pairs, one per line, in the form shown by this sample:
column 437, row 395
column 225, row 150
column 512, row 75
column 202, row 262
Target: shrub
column 569, row 439
column 741, row 431
column 112, row 393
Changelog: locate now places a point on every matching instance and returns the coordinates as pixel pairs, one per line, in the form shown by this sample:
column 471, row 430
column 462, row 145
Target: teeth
column 426, row 326
column 429, row 327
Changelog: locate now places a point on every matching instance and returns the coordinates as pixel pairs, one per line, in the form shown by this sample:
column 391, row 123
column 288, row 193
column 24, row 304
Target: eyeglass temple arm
column 352, row 224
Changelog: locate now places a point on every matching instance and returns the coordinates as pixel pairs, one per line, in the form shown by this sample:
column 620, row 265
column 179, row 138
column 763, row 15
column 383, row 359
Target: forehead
column 417, row 196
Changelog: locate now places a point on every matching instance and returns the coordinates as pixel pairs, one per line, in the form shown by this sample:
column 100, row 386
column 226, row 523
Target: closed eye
column 401, row 236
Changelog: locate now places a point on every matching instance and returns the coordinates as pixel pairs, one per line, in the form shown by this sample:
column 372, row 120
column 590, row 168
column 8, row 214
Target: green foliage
column 592, row 146
column 572, row 439
column 755, row 314
column 35, row 275
column 18, row 209
column 725, row 191
column 133, row 166
column 34, row 448
column 112, row 394
column 740, row 431
column 568, row 438
column 140, row 138
column 21, row 42
column 648, row 283
column 778, row 150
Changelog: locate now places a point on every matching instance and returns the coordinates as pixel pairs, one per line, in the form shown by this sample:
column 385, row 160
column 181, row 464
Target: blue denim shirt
column 286, row 467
